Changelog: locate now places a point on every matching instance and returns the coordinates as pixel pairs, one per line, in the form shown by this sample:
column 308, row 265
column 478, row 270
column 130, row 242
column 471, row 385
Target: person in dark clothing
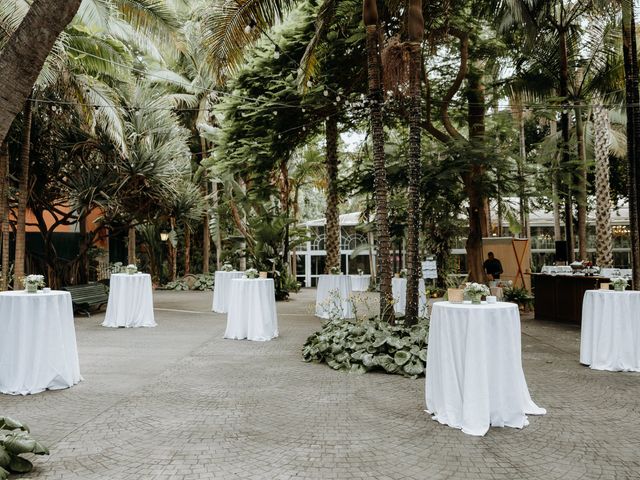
column 492, row 267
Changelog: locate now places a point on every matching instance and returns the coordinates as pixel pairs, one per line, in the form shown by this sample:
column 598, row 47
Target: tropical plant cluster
column 16, row 440
column 370, row 345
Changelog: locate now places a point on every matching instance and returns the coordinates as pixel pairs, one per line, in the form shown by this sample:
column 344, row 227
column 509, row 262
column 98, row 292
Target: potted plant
column 475, row 291
column 619, row 284
column 33, row 282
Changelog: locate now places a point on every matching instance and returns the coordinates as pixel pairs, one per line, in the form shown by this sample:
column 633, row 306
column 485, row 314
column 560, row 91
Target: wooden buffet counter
column 559, row 297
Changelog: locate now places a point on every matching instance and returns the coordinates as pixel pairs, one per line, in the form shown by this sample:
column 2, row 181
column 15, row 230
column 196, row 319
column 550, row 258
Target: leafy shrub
column 14, row 441
column 518, row 295
column 370, row 345
column 203, row 282
column 178, row 285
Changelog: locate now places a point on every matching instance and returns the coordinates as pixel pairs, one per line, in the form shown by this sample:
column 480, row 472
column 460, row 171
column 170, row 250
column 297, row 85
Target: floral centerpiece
column 33, row 282
column 619, row 284
column 131, row 269
column 360, row 271
column 335, row 271
column 251, row 273
column 475, row 291
column 227, row 267
column 116, row 267
column 403, row 273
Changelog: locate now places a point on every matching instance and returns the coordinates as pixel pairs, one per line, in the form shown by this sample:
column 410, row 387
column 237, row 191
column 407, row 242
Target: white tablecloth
column 610, row 335
column 252, row 310
column 399, row 290
column 130, row 301
column 222, row 290
column 561, row 269
column 37, row 342
column 333, row 296
column 360, row 283
column 474, row 368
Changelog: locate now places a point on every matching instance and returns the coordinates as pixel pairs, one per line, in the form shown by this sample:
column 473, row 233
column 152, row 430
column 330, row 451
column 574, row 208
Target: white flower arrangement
column 473, row 289
column 251, row 273
column 335, row 271
column 619, row 283
column 403, row 273
column 131, row 269
column 360, row 271
column 37, row 280
column 116, row 267
column 227, row 267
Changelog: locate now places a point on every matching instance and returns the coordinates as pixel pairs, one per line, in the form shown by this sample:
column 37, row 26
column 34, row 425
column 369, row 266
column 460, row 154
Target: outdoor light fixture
column 164, row 236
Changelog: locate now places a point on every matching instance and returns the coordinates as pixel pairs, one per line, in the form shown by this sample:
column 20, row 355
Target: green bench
column 85, row 297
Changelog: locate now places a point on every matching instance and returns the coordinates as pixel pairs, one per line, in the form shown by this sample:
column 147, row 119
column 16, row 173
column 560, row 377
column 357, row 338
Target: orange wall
column 90, row 222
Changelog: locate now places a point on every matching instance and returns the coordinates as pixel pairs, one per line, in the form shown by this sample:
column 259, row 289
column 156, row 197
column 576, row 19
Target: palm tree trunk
column 555, row 191
column 633, row 130
column 187, row 250
column 206, row 235
column 218, row 238
column 25, row 52
column 603, row 193
column 4, row 215
column 566, row 154
column 374, row 70
column 131, row 245
column 83, row 273
column 23, row 195
column 581, row 196
column 332, row 230
column 416, row 34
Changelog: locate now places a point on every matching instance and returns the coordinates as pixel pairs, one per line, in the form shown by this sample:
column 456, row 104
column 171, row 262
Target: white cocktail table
column 360, row 283
column 130, row 301
column 252, row 310
column 399, row 290
column 610, row 335
column 38, row 348
column 333, row 296
column 222, row 289
column 474, row 368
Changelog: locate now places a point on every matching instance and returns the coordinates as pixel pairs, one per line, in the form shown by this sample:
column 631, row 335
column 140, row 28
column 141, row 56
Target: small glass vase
column 476, row 299
column 32, row 288
column 619, row 288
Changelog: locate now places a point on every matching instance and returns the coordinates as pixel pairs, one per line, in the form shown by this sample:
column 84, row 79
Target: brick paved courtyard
column 180, row 402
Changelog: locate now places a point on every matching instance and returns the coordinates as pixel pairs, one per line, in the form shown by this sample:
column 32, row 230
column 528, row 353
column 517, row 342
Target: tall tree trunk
column 285, row 200
column 633, row 130
column 332, row 229
column 83, row 271
column 23, row 195
column 555, row 190
column 581, row 195
column 416, row 34
column 206, row 235
column 383, row 250
column 603, row 194
column 187, row 250
column 522, row 177
column 473, row 177
column 131, row 246
column 566, row 154
column 25, row 52
column 218, row 236
column 4, row 215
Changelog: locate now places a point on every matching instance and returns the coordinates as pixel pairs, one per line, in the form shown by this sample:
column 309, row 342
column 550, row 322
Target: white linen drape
column 474, row 368
column 610, row 335
column 252, row 310
column 222, row 290
column 399, row 291
column 130, row 301
column 333, row 296
column 38, row 348
column 360, row 283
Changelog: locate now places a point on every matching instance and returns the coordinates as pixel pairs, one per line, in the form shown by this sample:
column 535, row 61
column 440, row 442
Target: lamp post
column 164, row 235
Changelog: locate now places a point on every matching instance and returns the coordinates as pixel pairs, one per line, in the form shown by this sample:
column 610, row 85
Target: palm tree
column 332, row 228
column 604, row 243
column 4, row 215
column 376, row 98
column 630, row 53
column 26, row 51
column 416, row 35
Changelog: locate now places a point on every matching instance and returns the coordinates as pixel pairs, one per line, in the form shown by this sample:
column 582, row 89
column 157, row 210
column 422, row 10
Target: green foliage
column 16, row 440
column 178, row 285
column 518, row 295
column 359, row 347
column 203, row 282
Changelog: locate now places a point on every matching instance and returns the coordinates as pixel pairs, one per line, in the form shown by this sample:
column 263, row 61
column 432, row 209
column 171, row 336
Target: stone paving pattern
column 180, row 402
